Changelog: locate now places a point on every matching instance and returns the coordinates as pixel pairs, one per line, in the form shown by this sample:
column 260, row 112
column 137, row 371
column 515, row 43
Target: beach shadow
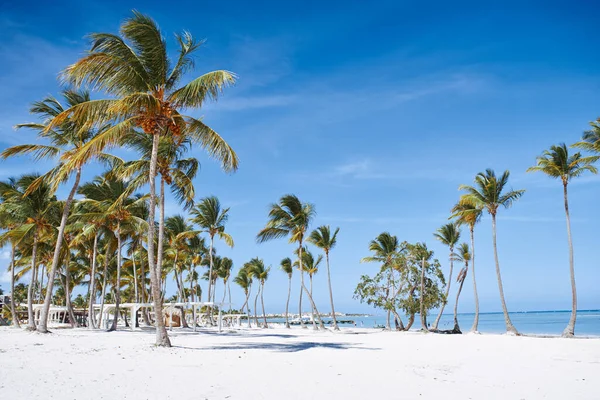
column 281, row 347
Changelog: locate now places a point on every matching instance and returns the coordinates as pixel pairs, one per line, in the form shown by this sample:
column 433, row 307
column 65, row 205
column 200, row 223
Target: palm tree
column 557, row 163
column 291, row 218
column 463, row 255
column 489, row 194
column 244, row 280
column 323, row 239
column 310, row 264
column 469, row 214
column 286, row 266
column 134, row 69
column 66, row 137
column 39, row 210
column 224, row 272
column 110, row 203
column 258, row 270
column 449, row 235
column 591, row 138
column 211, row 218
column 9, row 221
column 386, row 249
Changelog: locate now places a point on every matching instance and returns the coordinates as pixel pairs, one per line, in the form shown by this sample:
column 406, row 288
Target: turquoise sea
column 531, row 322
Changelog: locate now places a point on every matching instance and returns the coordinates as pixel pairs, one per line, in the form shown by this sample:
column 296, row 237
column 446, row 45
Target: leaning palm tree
column 449, row 235
column 134, row 69
column 463, row 255
column 325, row 240
column 386, row 250
column 39, row 210
column 211, row 217
column 489, row 193
column 286, row 266
column 261, row 273
column 291, row 218
column 465, row 213
column 557, row 163
column 66, row 137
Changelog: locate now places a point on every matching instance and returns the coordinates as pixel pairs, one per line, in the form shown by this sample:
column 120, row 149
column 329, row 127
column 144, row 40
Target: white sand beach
column 295, row 364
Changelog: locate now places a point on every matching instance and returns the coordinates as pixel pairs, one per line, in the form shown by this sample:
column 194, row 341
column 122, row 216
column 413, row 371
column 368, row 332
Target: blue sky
column 373, row 112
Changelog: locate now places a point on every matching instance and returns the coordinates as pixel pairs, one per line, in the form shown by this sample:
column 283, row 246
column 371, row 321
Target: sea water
column 531, row 322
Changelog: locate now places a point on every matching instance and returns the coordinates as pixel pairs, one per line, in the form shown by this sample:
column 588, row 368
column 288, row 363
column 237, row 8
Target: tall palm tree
column 211, row 217
column 489, row 193
column 291, row 218
column 66, row 137
column 39, row 210
column 449, row 235
column 261, row 273
column 385, row 249
column 466, row 213
column 286, row 266
column 558, row 164
column 325, row 240
column 463, row 255
column 134, row 69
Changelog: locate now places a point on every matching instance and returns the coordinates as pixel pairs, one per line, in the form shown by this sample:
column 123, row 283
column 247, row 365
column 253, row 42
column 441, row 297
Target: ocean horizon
column 548, row 322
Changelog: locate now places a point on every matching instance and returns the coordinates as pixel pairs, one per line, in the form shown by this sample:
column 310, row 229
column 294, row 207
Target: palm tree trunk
column 388, row 325
column 43, row 325
column 509, row 326
column 335, row 325
column 135, row 281
column 300, row 301
column 104, row 280
column 287, row 303
column 570, row 329
column 224, row 292
column 118, row 285
column 255, row 307
column 248, row 305
column 229, row 292
column 210, row 252
column 456, row 328
column 437, row 320
column 91, row 316
column 30, row 315
column 143, row 288
column 314, row 306
column 13, row 310
column 422, row 299
column 162, row 337
column 68, row 304
column 262, row 301
column 476, row 297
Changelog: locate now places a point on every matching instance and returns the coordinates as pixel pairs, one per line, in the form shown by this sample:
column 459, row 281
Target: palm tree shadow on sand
column 281, row 347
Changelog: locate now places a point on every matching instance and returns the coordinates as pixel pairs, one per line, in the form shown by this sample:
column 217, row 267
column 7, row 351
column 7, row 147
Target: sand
column 295, row 364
